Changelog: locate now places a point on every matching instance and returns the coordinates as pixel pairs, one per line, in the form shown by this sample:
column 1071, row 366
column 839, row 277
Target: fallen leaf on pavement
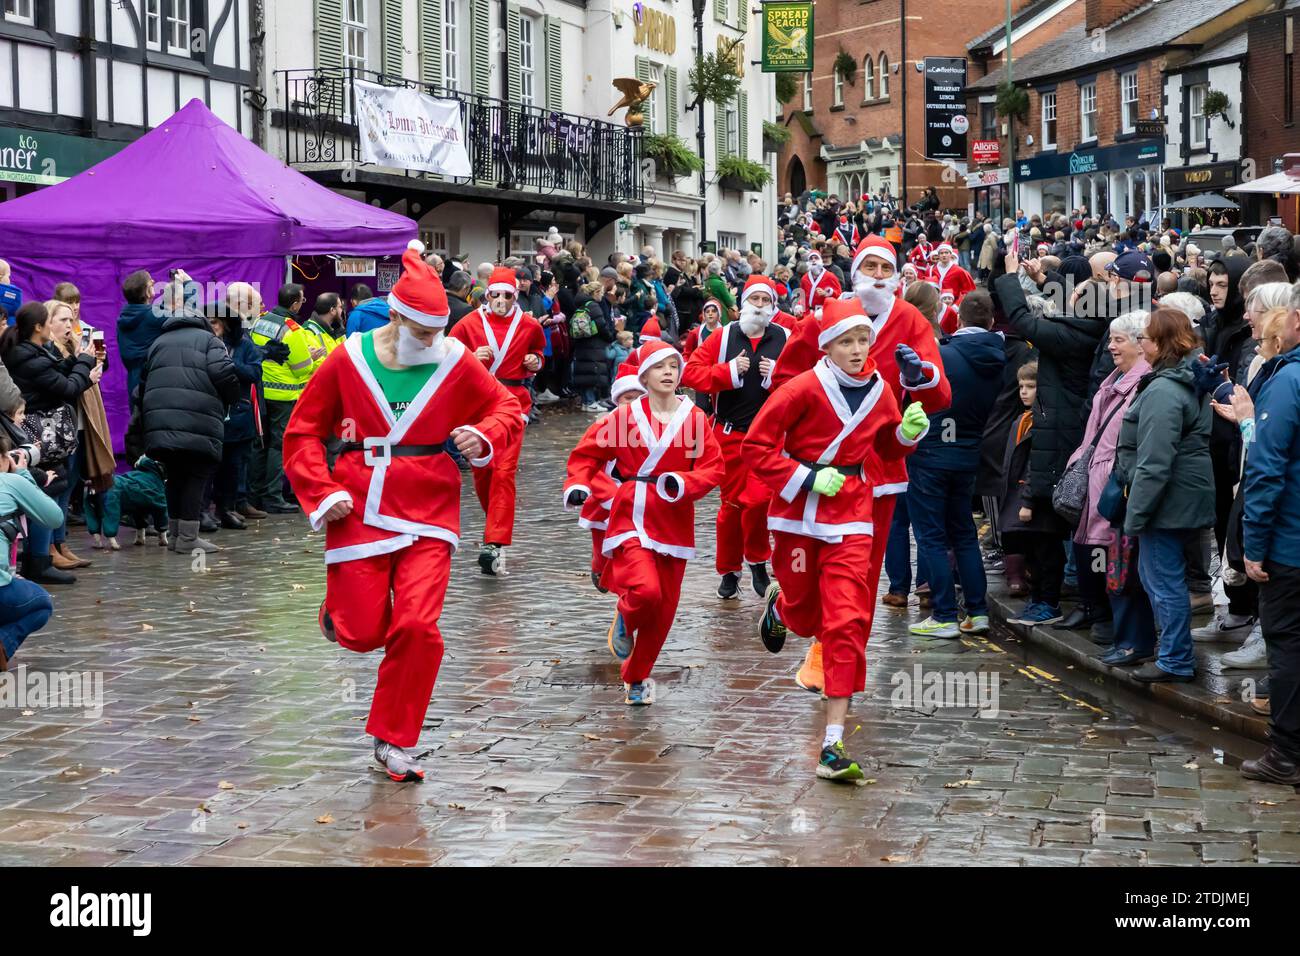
column 325, row 818
column 146, row 627
column 225, row 785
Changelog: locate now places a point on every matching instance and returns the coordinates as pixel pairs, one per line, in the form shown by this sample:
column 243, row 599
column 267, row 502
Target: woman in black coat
column 590, row 366
column 187, row 383
column 241, row 429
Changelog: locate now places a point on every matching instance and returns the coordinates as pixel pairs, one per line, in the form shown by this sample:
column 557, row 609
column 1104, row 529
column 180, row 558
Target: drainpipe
column 903, row 71
column 89, row 85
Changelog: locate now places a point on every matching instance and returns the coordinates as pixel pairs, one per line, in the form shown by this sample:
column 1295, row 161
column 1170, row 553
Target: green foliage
column 714, row 78
column 1012, row 100
column 787, row 87
column 1216, row 103
column 745, row 173
column 846, row 67
column 671, row 155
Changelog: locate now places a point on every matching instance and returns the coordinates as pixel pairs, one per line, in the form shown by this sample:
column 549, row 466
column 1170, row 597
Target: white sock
column 834, row 734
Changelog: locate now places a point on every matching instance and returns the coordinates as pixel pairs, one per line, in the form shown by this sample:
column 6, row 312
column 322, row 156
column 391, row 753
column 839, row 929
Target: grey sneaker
column 1251, row 655
column 400, row 765
column 1226, row 626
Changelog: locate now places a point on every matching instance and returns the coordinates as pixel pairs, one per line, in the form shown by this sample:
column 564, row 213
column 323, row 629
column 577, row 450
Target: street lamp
column 698, row 9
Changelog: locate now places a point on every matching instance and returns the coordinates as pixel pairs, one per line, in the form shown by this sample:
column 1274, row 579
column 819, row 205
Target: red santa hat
column 503, row 280
column 758, row 283
column 716, row 305
column 653, row 352
column 840, row 316
column 626, row 381
column 651, row 330
column 418, row 293
column 940, row 248
column 875, row 247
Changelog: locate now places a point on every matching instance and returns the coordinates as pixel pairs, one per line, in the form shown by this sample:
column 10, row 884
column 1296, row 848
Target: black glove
column 672, row 486
column 576, row 498
column 1208, row 375
column 275, row 351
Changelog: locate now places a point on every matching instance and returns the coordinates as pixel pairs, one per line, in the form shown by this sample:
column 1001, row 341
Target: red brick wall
column 1269, row 135
column 1102, row 13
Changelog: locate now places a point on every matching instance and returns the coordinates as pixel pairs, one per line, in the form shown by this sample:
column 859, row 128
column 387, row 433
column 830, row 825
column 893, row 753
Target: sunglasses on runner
column 500, row 295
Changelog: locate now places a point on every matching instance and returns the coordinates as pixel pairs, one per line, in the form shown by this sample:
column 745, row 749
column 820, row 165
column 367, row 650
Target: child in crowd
column 140, row 494
column 11, row 297
column 1029, row 526
column 617, row 352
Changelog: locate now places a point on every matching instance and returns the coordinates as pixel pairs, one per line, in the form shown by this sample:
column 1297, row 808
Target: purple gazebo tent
column 192, row 193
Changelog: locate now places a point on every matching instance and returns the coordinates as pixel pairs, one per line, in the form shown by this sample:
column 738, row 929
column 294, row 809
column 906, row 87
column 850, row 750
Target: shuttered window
column 742, row 123
column 391, row 12
column 554, row 71
column 670, row 98
column 514, row 85
column 431, row 41
column 480, row 47
column 720, row 10
column 329, row 34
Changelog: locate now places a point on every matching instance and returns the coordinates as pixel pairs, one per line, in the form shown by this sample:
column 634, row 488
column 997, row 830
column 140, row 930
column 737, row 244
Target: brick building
column 1269, row 101
column 1085, row 138
column 849, row 137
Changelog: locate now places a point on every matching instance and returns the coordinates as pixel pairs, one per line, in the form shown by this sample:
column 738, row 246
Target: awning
column 1269, row 185
column 1203, row 201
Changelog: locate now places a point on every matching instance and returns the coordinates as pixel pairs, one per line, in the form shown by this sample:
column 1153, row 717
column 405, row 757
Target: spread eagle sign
column 635, row 92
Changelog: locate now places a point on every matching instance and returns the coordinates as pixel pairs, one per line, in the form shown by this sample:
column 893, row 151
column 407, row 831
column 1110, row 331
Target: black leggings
column 187, row 478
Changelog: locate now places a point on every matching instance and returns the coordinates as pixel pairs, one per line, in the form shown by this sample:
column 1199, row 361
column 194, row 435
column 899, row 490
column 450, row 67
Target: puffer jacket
column 590, row 366
column 46, row 379
column 187, row 383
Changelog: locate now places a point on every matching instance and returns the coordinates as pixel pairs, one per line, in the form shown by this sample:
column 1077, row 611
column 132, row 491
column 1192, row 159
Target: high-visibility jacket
column 284, row 381
column 324, row 337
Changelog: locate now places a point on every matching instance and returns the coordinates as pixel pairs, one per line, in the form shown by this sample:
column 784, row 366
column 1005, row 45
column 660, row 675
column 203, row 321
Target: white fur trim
column 873, row 252
column 795, row 484
column 932, row 383
column 654, row 358
column 317, row 517
column 910, row 442
column 882, row 491
column 759, row 287
column 415, row 315
column 417, row 245
column 735, row 372
column 844, row 325
column 626, row 383
column 661, row 487
column 503, row 287
column 564, row 497
column 370, row 549
column 480, row 462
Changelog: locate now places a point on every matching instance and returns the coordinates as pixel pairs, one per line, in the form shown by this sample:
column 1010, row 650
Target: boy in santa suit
column 920, row 254
column 665, row 453
column 949, row 276
column 819, row 284
column 509, row 342
column 596, row 488
column 948, row 319
column 907, row 356
column 735, row 367
column 817, row 443
column 390, row 506
column 710, row 321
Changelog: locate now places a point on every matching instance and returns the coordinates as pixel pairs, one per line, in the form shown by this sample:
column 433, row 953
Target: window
column 655, row 112
column 451, row 44
column 1049, row 120
column 527, row 73
column 20, row 11
column 989, row 120
column 730, row 240
column 868, row 78
column 152, row 24
column 354, row 34
column 178, row 27
column 1196, row 111
column 837, row 88
column 884, row 77
column 1088, row 111
column 807, row 92
column 1128, row 100
column 733, row 130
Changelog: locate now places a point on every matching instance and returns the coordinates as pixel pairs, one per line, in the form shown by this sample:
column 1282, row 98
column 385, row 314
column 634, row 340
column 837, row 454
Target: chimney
column 1102, row 13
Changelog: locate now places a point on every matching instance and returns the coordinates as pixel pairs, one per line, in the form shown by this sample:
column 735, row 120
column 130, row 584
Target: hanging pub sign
column 946, row 122
column 787, row 37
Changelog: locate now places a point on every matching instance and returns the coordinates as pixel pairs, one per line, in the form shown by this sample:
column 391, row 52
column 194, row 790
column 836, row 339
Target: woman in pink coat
column 1133, row 623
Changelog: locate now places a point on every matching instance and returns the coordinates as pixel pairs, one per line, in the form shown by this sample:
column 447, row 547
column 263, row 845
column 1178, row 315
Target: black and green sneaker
column 835, row 764
column 770, row 628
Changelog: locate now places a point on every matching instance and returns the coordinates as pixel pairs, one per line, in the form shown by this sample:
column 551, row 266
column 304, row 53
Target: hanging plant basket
column 742, row 175
column 1216, row 104
column 775, row 136
column 671, row 156
column 846, row 67
column 787, row 87
column 1012, row 101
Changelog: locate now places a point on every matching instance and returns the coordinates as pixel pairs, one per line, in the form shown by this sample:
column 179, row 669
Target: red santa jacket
column 954, row 279
column 808, row 423
column 600, row 483
column 903, row 325
column 395, row 499
column 708, row 370
column 512, row 338
column 949, row 321
column 920, row 255
column 826, row 287
column 645, row 451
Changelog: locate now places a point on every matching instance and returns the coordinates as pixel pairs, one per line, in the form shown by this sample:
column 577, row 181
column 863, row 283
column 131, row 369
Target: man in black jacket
column 458, row 286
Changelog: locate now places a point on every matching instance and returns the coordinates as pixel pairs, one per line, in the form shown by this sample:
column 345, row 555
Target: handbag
column 1070, row 496
column 1121, row 564
column 581, row 324
column 55, row 431
column 1112, row 503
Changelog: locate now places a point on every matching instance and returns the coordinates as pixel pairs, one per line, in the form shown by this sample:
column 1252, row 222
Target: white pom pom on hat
column 417, row 245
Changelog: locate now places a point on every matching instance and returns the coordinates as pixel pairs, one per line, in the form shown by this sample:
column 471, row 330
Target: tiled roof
column 992, row 34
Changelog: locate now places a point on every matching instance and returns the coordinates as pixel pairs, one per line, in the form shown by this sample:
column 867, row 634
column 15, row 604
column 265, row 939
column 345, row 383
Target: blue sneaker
column 620, row 641
column 1039, row 613
column 640, row 695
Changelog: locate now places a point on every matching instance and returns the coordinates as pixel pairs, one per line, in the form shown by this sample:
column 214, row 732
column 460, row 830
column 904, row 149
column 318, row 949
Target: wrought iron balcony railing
column 511, row 146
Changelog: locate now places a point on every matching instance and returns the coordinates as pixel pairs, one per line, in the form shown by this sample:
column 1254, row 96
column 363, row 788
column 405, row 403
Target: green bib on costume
column 399, row 387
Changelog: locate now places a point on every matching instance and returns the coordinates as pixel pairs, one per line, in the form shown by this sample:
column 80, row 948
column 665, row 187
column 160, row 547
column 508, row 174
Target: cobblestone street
column 232, row 733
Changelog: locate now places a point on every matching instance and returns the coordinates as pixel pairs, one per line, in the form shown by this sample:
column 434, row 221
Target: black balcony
column 525, row 156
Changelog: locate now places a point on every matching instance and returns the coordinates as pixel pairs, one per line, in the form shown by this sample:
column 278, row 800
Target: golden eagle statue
column 635, row 92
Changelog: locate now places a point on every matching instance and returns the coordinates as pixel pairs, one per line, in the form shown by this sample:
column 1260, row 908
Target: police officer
column 292, row 353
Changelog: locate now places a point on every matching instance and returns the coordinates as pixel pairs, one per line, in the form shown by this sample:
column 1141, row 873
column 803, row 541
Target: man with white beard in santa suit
column 390, row 505
column 818, row 284
column 735, row 366
column 907, row 355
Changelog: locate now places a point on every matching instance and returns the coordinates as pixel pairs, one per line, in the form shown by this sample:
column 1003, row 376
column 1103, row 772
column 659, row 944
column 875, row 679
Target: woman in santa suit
column 906, row 354
column 819, row 284
column 817, row 444
column 596, row 486
column 664, row 452
column 390, row 506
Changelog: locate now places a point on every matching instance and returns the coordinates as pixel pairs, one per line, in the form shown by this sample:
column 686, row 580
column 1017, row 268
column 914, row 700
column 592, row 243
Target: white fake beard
column 753, row 320
column 411, row 351
column 816, row 268
column 876, row 295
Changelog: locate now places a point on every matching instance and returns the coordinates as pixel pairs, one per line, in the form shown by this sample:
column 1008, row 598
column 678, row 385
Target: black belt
column 728, row 427
column 845, row 470
column 651, row 479
column 383, row 452
column 516, row 382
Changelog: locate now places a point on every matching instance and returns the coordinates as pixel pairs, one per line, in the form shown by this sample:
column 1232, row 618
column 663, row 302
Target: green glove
column 915, row 421
column 827, row 482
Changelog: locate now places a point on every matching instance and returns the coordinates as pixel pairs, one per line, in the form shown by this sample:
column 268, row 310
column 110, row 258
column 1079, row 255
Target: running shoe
column 770, row 628
column 620, row 641
column 835, row 764
column 975, row 624
column 932, row 628
column 729, row 588
column 810, row 676
column 641, row 694
column 399, row 765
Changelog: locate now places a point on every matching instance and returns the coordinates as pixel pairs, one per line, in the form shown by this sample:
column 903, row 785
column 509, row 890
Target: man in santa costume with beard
column 907, row 356
column 390, row 506
column 948, row 276
column 510, row 343
column 819, row 284
column 735, row 366
column 817, row 444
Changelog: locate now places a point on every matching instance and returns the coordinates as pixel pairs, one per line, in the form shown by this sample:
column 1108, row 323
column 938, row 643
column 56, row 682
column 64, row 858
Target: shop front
column 988, row 193
column 1182, row 182
column 30, row 159
column 1122, row 180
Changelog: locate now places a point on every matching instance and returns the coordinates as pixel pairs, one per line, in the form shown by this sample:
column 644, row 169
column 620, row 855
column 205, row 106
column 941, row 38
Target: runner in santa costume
column 816, row 443
column 948, row 317
column 596, row 487
column 390, row 506
column 907, row 356
column 847, row 232
column 920, row 254
column 510, row 343
column 736, row 366
column 664, row 451
column 710, row 321
column 818, row 284
column 949, row 276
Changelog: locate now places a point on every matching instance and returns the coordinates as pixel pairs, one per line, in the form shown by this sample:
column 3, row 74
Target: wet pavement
column 232, row 733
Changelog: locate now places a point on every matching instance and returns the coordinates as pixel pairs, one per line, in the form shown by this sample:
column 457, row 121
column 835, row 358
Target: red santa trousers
column 394, row 601
column 495, row 487
column 824, row 589
column 649, row 586
column 598, row 559
column 742, row 515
